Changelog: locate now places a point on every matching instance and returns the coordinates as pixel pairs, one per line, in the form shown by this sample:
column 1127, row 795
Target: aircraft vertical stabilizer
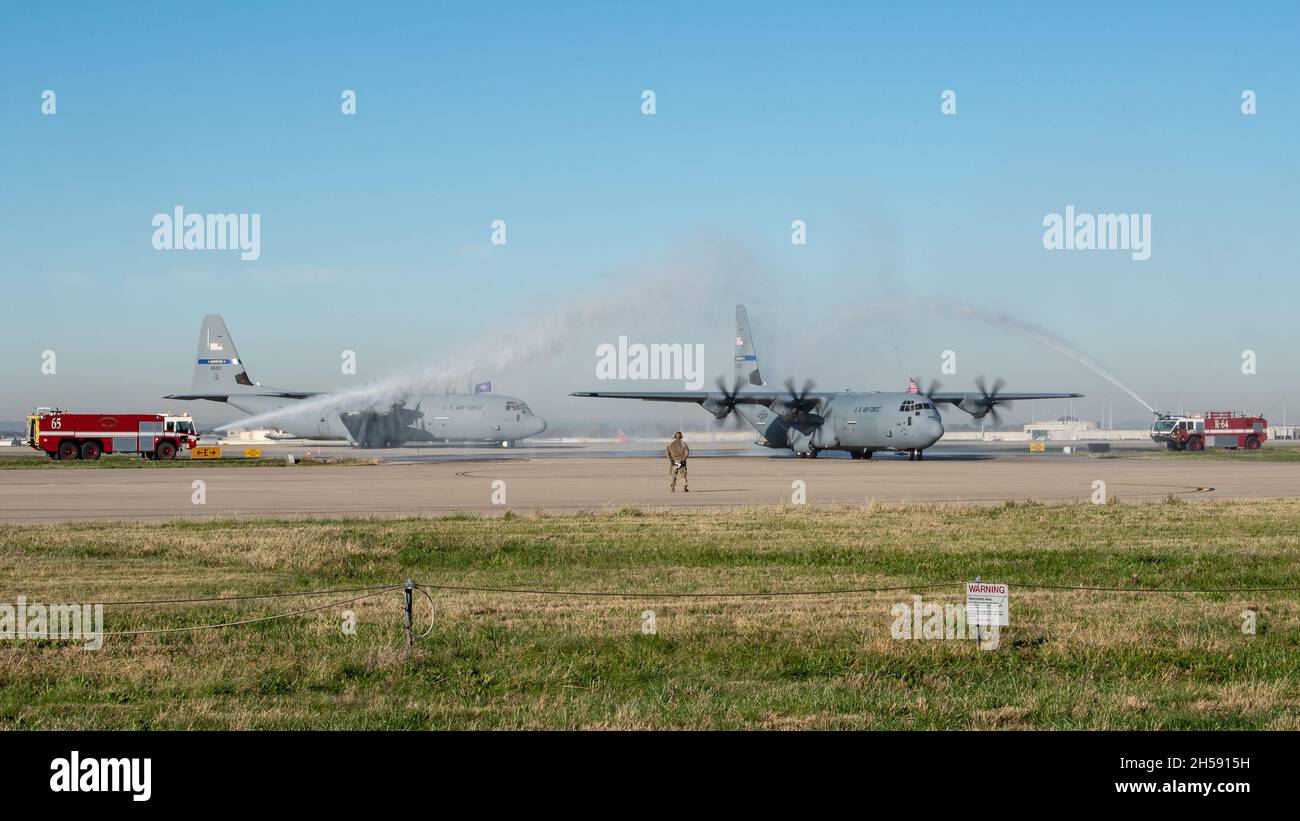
column 746, row 355
column 217, row 366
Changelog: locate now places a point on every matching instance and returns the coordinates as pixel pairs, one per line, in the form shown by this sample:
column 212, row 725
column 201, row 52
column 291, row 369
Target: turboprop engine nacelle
column 717, row 407
column 975, row 407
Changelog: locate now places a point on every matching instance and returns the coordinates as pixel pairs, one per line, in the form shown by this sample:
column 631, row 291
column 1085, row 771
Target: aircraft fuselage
column 863, row 422
column 434, row 418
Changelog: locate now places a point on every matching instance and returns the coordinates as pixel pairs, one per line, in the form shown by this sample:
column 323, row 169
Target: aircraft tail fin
column 217, row 366
column 746, row 355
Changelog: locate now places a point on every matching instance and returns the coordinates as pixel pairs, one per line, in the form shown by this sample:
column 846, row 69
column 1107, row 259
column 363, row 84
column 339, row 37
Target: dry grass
column 1070, row 659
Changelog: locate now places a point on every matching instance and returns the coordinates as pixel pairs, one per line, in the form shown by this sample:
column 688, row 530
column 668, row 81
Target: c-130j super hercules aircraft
column 488, row 418
column 808, row 422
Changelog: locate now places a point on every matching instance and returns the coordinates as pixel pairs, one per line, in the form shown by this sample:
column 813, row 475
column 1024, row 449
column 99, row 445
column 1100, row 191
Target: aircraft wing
column 662, row 396
column 958, row 398
column 222, row 397
column 742, row 398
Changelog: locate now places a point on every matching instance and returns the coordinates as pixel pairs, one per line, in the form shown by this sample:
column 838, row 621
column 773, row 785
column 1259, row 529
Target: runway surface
column 594, row 478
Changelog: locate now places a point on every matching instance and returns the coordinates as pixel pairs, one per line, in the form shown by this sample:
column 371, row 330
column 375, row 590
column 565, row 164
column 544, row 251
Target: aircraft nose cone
column 932, row 429
column 539, row 425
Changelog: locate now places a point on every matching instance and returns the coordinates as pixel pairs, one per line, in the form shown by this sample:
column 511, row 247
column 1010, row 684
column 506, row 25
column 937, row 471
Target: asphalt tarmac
column 566, row 478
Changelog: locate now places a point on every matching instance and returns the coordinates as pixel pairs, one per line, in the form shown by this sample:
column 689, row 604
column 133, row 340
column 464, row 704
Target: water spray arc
column 1008, row 323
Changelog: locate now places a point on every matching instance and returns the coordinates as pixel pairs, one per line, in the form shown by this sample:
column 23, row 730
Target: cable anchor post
column 408, row 592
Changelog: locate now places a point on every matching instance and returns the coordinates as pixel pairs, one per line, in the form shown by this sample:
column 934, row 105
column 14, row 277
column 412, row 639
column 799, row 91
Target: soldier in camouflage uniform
column 678, row 450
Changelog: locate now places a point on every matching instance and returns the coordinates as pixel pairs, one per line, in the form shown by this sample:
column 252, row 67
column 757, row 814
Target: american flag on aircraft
column 912, row 387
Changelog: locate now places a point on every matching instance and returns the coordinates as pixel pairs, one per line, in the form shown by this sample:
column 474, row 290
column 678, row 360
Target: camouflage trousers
column 675, row 468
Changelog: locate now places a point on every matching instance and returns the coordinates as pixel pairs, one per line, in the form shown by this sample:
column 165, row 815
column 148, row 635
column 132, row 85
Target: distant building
column 1068, row 429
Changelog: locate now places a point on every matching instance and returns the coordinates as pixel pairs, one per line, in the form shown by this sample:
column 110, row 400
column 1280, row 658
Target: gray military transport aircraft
column 808, row 422
column 478, row 418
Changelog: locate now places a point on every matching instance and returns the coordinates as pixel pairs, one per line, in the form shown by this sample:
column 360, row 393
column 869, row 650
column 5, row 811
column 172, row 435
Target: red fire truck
column 1214, row 429
column 64, row 435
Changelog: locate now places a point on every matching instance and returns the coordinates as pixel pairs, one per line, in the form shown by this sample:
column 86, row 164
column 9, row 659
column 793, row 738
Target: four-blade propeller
column 722, row 408
column 989, row 399
column 929, row 392
column 799, row 401
column 800, row 406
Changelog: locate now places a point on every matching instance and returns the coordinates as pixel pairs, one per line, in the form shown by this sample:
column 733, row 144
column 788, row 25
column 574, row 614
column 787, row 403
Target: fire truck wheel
column 68, row 450
column 165, row 451
column 1252, row 443
column 1196, row 443
column 91, row 450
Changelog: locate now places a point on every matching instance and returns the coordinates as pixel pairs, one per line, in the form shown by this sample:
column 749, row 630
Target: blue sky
column 375, row 227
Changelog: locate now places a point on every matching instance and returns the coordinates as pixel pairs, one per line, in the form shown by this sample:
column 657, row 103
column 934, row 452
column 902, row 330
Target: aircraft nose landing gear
column 915, row 455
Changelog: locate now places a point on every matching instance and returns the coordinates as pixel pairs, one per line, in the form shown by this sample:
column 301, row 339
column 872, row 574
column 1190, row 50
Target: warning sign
column 206, row 453
column 1037, row 447
column 252, row 453
column 986, row 604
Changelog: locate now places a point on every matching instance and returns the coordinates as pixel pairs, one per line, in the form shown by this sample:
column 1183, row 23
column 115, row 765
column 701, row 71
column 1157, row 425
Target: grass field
column 1268, row 453
column 495, row 660
column 133, row 462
